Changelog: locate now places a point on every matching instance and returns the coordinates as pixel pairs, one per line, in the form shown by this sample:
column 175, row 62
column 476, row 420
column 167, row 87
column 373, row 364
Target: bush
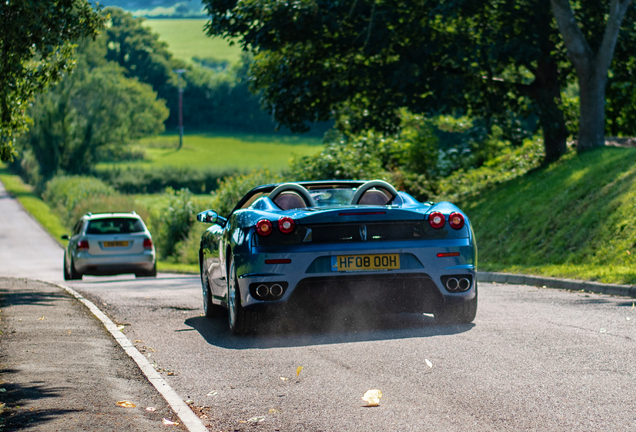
column 233, row 188
column 133, row 180
column 187, row 251
column 407, row 159
column 172, row 222
column 65, row 193
column 511, row 163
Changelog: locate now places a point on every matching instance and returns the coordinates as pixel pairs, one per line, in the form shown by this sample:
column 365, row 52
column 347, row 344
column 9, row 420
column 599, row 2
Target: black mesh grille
column 360, row 232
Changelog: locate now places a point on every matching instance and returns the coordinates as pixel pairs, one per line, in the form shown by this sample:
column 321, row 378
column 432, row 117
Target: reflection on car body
column 314, row 244
column 109, row 244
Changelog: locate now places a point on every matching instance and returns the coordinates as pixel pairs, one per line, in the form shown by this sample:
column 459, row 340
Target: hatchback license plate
column 365, row 262
column 116, row 244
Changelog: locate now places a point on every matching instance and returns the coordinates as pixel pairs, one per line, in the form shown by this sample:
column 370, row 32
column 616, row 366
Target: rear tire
column 149, row 273
column 67, row 276
column 241, row 321
column 74, row 274
column 463, row 313
column 209, row 308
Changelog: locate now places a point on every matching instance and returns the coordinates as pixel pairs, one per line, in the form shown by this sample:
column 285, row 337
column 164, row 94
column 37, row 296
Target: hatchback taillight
column 286, row 224
column 456, row 220
column 82, row 245
column 436, row 220
column 147, row 243
column 264, row 227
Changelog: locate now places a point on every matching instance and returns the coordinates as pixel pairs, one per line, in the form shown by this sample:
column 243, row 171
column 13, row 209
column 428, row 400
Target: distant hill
column 160, row 8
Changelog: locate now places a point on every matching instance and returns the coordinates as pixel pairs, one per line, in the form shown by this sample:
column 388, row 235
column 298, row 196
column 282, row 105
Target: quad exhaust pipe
column 269, row 292
column 457, row 284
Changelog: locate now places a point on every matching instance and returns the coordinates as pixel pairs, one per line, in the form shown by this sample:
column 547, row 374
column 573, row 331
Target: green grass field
column 224, row 152
column 186, row 38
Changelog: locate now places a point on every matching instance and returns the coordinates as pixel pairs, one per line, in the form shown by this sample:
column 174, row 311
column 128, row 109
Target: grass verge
column 572, row 219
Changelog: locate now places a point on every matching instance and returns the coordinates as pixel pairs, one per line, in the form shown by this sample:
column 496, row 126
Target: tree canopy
column 36, row 45
column 94, row 110
column 362, row 61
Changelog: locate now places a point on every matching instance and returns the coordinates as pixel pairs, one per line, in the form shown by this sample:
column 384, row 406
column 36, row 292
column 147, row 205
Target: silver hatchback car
column 109, row 244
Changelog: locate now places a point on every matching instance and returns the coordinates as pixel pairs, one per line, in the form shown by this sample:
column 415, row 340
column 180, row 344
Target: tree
column 361, row 61
column 89, row 110
column 36, row 45
column 212, row 98
column 366, row 59
column 591, row 57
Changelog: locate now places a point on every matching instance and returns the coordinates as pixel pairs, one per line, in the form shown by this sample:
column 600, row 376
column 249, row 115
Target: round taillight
column 436, row 220
column 456, row 220
column 264, row 227
column 286, row 224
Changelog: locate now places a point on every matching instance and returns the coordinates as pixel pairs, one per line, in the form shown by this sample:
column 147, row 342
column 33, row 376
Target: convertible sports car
column 318, row 243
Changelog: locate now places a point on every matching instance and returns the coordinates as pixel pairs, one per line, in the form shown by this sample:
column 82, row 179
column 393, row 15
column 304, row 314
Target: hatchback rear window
column 114, row 226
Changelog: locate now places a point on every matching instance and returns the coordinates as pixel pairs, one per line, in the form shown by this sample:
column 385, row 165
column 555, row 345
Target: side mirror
column 208, row 216
column 65, row 237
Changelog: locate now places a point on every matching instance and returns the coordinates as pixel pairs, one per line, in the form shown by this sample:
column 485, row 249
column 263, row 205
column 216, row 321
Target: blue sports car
column 313, row 244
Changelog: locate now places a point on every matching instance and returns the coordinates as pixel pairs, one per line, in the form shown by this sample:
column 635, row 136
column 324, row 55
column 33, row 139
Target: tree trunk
column 592, row 110
column 545, row 90
column 591, row 67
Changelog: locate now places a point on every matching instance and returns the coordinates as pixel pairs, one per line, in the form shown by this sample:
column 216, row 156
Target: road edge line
column 183, row 411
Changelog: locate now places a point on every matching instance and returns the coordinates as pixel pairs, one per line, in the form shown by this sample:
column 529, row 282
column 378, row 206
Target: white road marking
column 189, row 419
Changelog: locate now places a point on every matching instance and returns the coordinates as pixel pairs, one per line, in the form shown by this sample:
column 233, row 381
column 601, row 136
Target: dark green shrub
column 171, row 223
column 511, row 163
column 132, row 180
column 233, row 188
column 65, row 193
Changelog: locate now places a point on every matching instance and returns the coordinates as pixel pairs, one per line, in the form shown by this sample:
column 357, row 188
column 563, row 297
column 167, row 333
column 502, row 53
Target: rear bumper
column 113, row 265
column 310, row 280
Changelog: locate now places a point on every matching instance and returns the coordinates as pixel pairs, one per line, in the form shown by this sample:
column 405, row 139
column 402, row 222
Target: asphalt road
column 534, row 359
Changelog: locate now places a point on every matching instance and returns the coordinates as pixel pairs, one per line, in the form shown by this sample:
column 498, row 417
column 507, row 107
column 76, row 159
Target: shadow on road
column 341, row 326
column 16, row 395
column 8, row 298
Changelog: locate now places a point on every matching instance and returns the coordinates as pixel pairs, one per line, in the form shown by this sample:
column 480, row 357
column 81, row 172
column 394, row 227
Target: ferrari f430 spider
column 316, row 244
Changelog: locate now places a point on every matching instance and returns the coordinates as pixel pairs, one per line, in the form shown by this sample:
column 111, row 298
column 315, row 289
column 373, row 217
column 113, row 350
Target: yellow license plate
column 116, row 244
column 365, row 262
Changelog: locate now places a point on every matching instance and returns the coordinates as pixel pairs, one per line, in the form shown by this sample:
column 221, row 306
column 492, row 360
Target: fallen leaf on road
column 41, row 319
column 138, row 341
column 298, row 369
column 632, row 306
column 69, row 332
column 151, row 409
column 126, row 404
column 428, row 363
column 256, row 419
column 169, row 422
column 242, row 421
column 213, row 393
column 627, row 318
column 120, row 328
column 602, row 330
column 283, row 379
column 372, row 397
column 273, row 411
